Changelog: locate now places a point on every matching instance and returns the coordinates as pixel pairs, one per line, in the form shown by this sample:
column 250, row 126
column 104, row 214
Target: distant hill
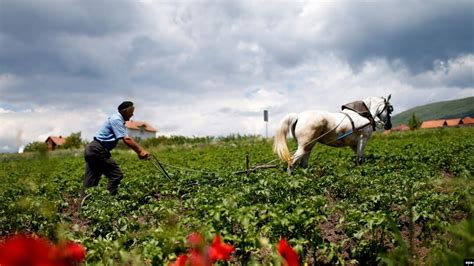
column 440, row 110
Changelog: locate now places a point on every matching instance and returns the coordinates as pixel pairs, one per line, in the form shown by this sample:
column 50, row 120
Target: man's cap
column 125, row 105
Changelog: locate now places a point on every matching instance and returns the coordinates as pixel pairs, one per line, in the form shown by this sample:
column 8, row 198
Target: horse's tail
column 280, row 146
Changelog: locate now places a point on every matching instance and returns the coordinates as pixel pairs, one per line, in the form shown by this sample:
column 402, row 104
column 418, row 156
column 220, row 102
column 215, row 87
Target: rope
column 327, row 133
column 186, row 169
column 160, row 167
column 316, row 139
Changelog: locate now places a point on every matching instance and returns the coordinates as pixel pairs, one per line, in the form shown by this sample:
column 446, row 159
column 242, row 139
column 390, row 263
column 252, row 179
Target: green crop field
column 410, row 203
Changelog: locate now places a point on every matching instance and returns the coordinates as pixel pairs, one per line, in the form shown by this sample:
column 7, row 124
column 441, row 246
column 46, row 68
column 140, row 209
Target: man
column 97, row 153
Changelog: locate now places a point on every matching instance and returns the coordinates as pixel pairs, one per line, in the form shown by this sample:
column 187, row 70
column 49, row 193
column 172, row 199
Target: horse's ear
column 389, row 96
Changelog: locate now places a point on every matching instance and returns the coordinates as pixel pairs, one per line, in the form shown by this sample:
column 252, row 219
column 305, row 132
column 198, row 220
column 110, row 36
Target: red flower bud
column 195, row 240
column 180, row 261
column 74, row 252
column 288, row 253
column 219, row 250
column 25, row 250
column 196, row 258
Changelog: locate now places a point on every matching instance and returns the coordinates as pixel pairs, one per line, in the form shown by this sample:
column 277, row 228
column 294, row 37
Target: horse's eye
column 390, row 109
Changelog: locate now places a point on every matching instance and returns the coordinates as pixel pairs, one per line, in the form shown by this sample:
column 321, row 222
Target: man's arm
column 142, row 153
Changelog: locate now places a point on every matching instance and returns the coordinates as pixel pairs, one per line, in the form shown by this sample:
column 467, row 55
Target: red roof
column 139, row 125
column 433, row 123
column 453, row 122
column 401, row 127
column 57, row 140
column 468, row 120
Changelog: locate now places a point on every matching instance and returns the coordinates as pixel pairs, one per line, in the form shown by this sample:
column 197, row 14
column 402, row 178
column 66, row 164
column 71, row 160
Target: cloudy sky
column 199, row 68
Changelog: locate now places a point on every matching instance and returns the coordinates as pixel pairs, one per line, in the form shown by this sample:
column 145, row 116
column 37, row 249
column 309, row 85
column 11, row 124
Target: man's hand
column 143, row 154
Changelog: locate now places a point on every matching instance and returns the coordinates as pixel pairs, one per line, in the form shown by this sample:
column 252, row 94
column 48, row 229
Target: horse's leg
column 305, row 135
column 299, row 154
column 361, row 143
column 296, row 158
column 305, row 159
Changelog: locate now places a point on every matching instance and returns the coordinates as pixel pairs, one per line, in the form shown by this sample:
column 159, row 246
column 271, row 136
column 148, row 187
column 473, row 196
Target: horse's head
column 383, row 113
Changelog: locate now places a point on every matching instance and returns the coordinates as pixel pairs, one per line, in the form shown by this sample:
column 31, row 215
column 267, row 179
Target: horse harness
column 361, row 109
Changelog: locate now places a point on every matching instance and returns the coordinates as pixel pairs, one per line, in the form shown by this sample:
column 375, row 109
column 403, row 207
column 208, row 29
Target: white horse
column 353, row 127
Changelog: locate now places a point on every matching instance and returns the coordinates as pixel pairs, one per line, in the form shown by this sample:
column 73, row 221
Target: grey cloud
column 42, row 37
column 464, row 79
column 145, row 46
column 70, row 93
column 94, row 53
column 417, row 33
column 456, row 73
column 49, row 56
column 27, row 20
column 7, row 145
column 238, row 112
column 207, row 33
column 161, row 62
column 168, row 128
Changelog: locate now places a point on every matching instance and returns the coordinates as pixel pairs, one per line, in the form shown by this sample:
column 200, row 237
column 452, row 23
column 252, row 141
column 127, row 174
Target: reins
column 318, row 138
column 160, row 165
column 371, row 121
column 354, row 129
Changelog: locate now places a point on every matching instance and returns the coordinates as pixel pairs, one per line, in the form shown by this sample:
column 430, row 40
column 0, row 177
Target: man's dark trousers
column 98, row 162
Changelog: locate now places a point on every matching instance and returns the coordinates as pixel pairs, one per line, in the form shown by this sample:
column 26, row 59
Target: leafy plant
column 73, row 141
column 413, row 187
column 414, row 122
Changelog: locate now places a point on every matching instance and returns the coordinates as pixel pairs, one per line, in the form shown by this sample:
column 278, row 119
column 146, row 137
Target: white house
column 139, row 129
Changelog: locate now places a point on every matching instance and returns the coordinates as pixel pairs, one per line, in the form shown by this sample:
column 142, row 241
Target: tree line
column 73, row 141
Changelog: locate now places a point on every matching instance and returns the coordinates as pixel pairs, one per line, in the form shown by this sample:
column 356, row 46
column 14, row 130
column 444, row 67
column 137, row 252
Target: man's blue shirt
column 112, row 131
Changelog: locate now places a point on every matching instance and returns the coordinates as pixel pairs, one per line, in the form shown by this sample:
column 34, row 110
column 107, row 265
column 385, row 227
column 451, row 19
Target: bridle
column 387, row 124
column 389, row 108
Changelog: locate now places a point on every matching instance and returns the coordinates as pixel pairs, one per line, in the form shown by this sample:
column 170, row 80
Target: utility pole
column 265, row 118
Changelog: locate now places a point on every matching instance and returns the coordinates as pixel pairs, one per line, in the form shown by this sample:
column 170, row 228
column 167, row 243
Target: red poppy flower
column 219, row 250
column 25, row 250
column 288, row 253
column 180, row 261
column 67, row 253
column 196, row 258
column 74, row 252
column 195, row 240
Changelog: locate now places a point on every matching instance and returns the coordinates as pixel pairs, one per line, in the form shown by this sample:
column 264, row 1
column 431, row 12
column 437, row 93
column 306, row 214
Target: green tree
column 73, row 141
column 414, row 122
column 37, row 146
